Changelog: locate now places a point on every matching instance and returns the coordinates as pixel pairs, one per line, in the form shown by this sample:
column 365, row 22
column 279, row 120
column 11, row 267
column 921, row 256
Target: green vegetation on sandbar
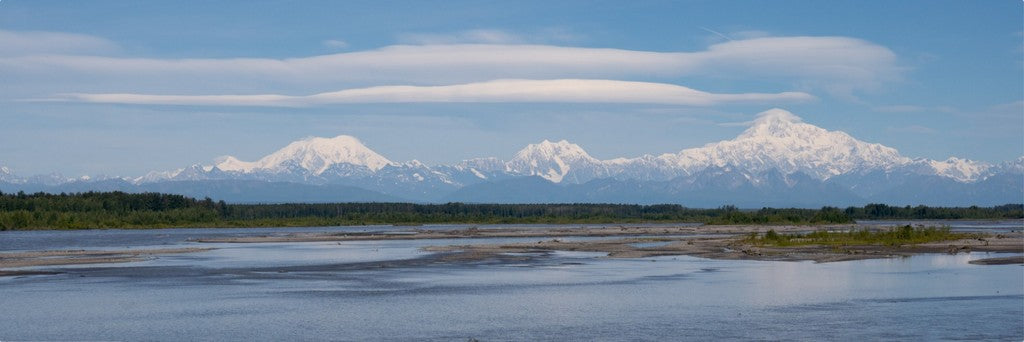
column 91, row 210
column 904, row 235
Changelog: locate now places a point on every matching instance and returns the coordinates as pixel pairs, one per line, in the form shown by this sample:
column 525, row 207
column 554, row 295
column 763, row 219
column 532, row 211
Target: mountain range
column 779, row 161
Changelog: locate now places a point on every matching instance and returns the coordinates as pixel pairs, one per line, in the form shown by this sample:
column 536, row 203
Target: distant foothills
column 779, row 161
column 90, row 210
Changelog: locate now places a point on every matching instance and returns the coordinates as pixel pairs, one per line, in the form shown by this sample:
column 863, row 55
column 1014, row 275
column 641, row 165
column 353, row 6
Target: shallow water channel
column 391, row 290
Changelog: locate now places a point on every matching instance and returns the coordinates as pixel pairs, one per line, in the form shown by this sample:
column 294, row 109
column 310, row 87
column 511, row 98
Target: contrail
column 715, row 32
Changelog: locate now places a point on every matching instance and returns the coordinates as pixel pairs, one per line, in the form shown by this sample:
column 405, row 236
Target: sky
column 121, row 88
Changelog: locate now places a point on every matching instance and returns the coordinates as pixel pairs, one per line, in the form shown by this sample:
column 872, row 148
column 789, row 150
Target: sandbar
column 77, row 257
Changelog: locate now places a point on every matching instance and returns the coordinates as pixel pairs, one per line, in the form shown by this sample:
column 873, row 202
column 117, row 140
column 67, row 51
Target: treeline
column 106, row 210
column 153, row 210
column 887, row 212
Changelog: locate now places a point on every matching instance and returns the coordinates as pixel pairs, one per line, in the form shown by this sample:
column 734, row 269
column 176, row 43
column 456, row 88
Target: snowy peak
column 963, row 170
column 482, row 164
column 547, row 151
column 551, row 160
column 1014, row 166
column 8, row 176
column 155, row 176
column 312, row 154
column 780, row 140
column 229, row 163
column 50, row 179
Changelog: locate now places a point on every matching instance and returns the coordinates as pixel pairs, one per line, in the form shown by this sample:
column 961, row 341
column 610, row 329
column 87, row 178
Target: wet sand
column 78, row 257
column 999, row 261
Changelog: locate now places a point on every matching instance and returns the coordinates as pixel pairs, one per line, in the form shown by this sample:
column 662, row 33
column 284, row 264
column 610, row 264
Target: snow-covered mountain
column 8, row 176
column 779, row 140
column 555, row 161
column 778, row 157
column 314, row 155
column 776, row 140
column 962, row 170
column 1012, row 166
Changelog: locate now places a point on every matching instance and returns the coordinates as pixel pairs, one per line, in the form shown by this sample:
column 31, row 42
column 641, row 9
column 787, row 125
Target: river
column 391, row 290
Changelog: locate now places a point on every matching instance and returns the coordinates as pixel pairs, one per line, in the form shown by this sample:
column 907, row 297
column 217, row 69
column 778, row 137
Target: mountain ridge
column 778, row 156
column 776, row 139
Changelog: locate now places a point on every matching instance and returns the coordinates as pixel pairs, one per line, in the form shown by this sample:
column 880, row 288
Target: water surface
column 391, row 290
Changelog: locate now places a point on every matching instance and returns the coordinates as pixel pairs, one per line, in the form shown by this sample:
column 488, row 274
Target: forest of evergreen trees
column 90, row 210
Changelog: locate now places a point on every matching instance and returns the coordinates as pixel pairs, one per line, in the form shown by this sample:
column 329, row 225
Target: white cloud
column 836, row 64
column 403, row 64
column 20, row 43
column 509, row 90
column 774, row 113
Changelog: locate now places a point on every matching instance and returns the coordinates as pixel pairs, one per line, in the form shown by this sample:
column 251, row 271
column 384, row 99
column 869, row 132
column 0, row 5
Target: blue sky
column 126, row 87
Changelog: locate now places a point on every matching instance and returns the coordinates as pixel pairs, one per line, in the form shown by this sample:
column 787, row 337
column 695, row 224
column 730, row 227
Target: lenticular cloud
column 562, row 90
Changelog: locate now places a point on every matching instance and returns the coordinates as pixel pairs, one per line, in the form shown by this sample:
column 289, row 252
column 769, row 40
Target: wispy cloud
column 907, row 108
column 1009, row 107
column 900, row 108
column 21, row 43
column 750, row 34
column 335, row 44
column 774, row 113
column 735, row 124
column 717, row 35
column 913, row 129
column 562, row 90
column 478, row 36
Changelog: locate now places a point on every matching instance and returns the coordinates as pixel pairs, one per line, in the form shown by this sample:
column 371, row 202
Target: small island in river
column 717, row 242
